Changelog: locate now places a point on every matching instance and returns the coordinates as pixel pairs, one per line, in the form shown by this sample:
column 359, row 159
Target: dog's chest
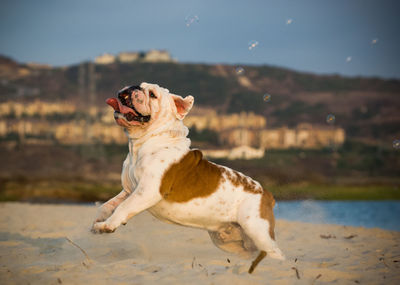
column 148, row 167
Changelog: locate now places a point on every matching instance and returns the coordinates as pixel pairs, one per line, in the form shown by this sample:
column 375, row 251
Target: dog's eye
column 152, row 95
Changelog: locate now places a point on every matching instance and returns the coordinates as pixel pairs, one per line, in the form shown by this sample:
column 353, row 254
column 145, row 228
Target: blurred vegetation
column 203, row 137
column 92, row 172
column 53, row 190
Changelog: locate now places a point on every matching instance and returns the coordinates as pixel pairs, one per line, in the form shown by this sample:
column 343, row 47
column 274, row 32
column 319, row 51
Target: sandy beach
column 52, row 244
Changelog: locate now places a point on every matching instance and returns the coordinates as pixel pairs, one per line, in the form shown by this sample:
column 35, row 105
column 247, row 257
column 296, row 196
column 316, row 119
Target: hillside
column 366, row 166
column 366, row 107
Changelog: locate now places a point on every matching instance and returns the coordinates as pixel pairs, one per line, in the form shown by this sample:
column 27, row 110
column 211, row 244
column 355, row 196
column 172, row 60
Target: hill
column 365, row 167
column 366, row 107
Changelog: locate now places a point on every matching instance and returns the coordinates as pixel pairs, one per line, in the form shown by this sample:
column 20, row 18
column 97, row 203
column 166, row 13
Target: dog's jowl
column 176, row 184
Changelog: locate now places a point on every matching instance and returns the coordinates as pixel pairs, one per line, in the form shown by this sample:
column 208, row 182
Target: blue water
column 369, row 214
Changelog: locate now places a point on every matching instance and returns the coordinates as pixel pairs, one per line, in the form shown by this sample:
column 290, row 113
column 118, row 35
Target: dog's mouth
column 124, row 108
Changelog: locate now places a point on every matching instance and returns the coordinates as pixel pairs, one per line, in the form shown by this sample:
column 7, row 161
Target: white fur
column 153, row 148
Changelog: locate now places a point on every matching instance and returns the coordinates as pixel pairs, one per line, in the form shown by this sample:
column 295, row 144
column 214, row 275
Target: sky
column 347, row 37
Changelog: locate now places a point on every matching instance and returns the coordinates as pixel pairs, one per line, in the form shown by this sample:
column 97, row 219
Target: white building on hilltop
column 157, row 56
column 126, row 57
column 105, row 58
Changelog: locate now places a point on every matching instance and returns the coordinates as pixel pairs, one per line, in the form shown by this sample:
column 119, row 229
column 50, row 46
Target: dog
column 176, row 184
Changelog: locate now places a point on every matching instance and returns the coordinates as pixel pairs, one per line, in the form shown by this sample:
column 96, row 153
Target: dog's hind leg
column 257, row 220
column 231, row 238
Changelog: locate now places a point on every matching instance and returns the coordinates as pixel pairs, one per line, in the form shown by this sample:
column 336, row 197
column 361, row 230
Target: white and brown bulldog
column 176, row 184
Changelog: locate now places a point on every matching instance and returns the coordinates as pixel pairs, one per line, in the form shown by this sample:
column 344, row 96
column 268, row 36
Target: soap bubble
column 374, row 41
column 396, row 144
column 348, row 59
column 330, row 119
column 289, row 21
column 190, row 19
column 267, row 97
column 239, row 70
column 252, row 44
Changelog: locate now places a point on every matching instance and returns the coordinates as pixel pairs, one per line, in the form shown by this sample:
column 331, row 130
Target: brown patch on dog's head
column 191, row 177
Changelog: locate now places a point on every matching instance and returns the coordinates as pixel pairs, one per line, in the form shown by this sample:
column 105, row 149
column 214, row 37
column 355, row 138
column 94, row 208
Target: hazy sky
column 350, row 37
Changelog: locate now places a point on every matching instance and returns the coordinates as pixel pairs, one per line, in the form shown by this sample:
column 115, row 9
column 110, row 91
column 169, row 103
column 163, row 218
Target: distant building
column 303, row 136
column 249, row 129
column 202, row 118
column 239, row 136
column 39, row 65
column 105, row 58
column 240, row 152
column 127, row 57
column 36, row 107
column 245, row 134
column 157, row 56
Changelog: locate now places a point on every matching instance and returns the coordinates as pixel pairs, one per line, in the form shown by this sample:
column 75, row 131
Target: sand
column 52, row 244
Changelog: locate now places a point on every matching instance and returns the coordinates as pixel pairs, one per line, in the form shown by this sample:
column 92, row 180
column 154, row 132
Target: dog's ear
column 183, row 105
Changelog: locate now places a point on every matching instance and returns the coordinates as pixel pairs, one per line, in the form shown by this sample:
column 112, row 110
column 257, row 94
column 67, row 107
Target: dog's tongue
column 113, row 102
column 117, row 106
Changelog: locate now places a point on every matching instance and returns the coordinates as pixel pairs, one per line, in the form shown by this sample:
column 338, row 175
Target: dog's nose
column 138, row 96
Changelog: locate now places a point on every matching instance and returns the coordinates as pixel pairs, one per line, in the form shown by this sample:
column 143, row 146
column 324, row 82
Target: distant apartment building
column 37, row 107
column 129, row 57
column 25, row 127
column 105, row 58
column 81, row 133
column 239, row 152
column 302, row 136
column 157, row 56
column 203, row 118
column 37, row 65
column 248, row 129
column 245, row 132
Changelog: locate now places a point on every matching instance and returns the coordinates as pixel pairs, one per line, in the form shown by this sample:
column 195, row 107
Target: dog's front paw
column 103, row 213
column 102, row 227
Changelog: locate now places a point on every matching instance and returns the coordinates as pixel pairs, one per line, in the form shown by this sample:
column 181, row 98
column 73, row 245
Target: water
column 369, row 214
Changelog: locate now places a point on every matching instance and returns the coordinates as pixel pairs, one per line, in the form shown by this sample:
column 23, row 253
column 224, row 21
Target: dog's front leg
column 108, row 207
column 137, row 202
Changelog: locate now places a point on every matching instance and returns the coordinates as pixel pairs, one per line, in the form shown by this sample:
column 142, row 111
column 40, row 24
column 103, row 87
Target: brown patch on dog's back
column 266, row 211
column 239, row 179
column 191, row 177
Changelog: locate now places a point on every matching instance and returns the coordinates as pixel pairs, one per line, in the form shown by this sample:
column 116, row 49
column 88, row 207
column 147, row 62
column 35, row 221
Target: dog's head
column 138, row 107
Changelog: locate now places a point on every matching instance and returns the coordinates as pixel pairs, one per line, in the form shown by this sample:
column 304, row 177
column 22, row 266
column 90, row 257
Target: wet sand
column 52, row 244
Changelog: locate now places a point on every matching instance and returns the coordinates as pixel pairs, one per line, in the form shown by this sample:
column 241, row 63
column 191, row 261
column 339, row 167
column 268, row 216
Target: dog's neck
column 175, row 131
